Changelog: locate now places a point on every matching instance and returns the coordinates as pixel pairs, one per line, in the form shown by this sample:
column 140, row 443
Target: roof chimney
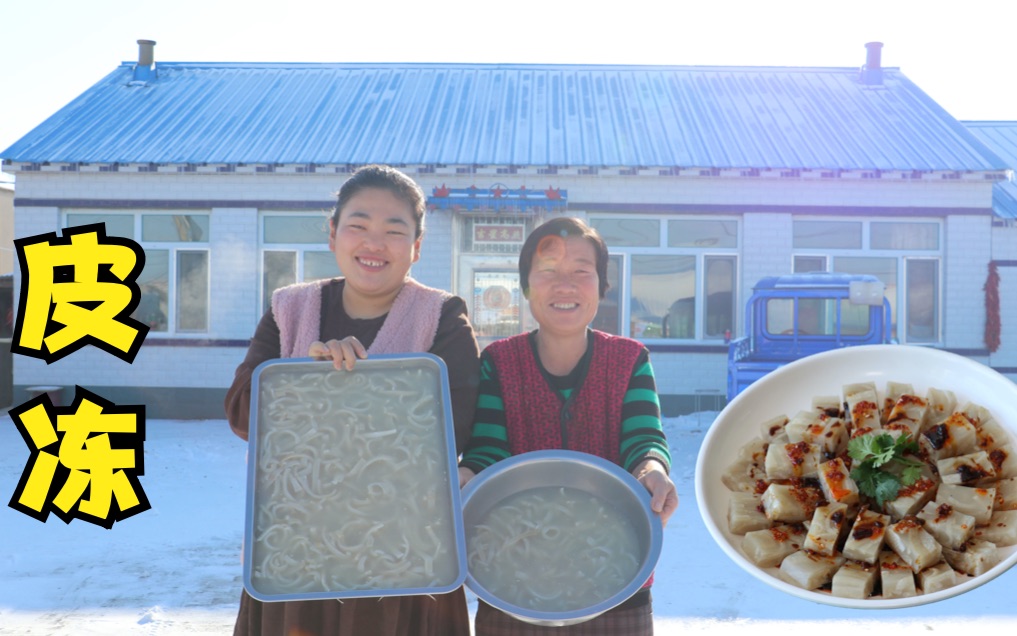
column 872, row 72
column 144, row 70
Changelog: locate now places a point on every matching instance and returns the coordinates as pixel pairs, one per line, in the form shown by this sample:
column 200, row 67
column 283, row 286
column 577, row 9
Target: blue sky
column 962, row 54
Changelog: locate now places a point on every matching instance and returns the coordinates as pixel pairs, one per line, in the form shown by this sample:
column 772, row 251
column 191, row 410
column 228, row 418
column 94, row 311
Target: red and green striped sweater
column 608, row 406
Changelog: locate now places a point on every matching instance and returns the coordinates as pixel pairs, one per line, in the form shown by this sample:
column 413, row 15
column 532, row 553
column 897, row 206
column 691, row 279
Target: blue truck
column 796, row 315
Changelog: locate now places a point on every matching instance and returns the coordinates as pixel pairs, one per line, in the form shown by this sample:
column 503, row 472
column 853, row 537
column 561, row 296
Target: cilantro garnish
column 880, row 467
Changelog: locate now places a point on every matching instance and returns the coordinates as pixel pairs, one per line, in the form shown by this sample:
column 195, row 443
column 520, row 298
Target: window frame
column 899, row 301
column 173, row 250
column 298, row 250
column 701, row 254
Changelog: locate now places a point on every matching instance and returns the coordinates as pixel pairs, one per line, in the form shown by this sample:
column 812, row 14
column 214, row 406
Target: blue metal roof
column 492, row 114
column 1001, row 138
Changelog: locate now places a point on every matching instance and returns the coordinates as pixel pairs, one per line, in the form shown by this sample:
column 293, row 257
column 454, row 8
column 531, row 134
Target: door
column 490, row 286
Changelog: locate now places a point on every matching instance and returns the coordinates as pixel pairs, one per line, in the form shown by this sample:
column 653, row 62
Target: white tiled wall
column 967, row 266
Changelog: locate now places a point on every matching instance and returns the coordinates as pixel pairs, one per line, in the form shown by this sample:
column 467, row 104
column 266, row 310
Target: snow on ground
column 175, row 569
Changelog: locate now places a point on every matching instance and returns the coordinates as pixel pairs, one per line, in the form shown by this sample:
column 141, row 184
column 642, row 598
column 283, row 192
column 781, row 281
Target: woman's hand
column 465, row 475
column 343, row 353
column 663, row 494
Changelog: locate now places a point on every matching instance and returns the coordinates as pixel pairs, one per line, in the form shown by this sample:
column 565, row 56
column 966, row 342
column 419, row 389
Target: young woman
column 375, row 231
column 567, row 386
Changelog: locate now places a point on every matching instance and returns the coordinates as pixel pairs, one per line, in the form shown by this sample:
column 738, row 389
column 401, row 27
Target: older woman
column 375, row 231
column 566, row 386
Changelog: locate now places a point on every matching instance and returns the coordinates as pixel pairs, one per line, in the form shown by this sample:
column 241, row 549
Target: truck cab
column 795, row 315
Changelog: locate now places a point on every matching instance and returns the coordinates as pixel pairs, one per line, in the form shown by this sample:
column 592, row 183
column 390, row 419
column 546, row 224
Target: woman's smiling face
column 375, row 243
column 564, row 289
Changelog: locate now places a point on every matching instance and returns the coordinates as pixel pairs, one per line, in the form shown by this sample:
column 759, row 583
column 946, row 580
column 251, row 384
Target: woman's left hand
column 663, row 494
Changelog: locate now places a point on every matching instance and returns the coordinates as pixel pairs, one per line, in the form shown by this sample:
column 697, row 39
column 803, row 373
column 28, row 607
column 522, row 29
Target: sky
column 962, row 55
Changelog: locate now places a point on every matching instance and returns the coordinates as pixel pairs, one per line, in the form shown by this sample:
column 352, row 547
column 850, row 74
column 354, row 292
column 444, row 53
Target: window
column 630, row 232
column 903, row 236
column 827, row 234
column 816, row 317
column 806, row 264
column 922, row 284
column 175, row 280
column 719, row 286
column 904, row 254
column 677, row 274
column 883, row 268
column 294, row 249
column 608, row 316
column 663, row 300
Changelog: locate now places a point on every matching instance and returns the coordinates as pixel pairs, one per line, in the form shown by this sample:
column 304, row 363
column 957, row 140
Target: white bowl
column 792, row 387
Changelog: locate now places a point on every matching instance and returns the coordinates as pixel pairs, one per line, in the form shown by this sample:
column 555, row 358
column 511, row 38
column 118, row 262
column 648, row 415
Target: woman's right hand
column 343, row 353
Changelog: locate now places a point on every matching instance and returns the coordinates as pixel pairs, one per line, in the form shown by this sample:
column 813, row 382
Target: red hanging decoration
column 992, row 324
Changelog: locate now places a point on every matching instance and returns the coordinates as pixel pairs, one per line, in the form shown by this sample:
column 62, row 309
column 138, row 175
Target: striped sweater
column 608, row 406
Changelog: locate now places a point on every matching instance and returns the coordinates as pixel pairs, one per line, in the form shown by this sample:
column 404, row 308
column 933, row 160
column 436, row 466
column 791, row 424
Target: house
column 701, row 179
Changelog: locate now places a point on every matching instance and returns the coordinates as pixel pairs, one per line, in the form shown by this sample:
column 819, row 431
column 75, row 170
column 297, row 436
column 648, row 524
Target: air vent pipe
column 144, row 70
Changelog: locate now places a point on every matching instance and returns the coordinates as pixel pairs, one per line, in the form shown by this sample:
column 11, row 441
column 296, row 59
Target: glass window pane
column 663, row 296
column 192, row 291
column 827, row 234
column 293, row 228
column 922, row 300
column 116, row 224
column 779, row 315
column 319, row 265
column 903, row 236
column 153, row 308
column 817, row 316
column 885, row 269
column 280, row 269
column 496, row 303
column 628, row 232
column 854, row 319
column 186, row 228
column 608, row 316
column 806, row 264
column 719, row 282
column 702, row 233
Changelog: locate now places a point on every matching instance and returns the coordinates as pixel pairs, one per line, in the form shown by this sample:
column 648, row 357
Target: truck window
column 816, row 317
column 855, row 319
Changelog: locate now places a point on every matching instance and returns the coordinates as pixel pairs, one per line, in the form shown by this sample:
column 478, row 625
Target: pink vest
column 410, row 326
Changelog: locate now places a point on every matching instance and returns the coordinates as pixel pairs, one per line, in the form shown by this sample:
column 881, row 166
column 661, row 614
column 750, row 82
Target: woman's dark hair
column 383, row 178
column 563, row 227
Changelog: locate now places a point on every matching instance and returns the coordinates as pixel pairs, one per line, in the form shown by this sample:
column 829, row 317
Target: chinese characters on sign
column 506, row 234
column 85, row 459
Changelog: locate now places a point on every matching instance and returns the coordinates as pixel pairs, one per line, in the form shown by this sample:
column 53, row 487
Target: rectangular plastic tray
column 352, row 485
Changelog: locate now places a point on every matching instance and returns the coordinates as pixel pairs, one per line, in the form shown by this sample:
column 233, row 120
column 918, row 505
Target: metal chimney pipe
column 872, row 57
column 872, row 73
column 146, row 52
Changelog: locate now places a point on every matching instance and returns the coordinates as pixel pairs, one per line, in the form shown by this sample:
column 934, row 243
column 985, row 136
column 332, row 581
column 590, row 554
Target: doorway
column 490, row 286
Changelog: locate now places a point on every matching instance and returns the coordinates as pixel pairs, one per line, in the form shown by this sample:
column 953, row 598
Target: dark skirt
column 437, row 615
column 634, row 617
